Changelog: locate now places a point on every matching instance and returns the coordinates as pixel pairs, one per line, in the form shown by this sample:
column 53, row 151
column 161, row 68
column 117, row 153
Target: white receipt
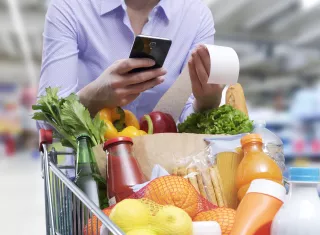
column 225, row 65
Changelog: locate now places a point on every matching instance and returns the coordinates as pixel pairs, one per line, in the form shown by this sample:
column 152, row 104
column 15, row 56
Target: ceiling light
column 307, row 4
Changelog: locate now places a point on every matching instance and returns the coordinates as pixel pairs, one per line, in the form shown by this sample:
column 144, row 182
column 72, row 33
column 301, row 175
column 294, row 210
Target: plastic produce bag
column 203, row 174
column 157, row 172
column 222, row 144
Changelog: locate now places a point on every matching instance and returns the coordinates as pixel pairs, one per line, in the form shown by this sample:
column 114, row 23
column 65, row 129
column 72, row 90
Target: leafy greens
column 69, row 118
column 223, row 120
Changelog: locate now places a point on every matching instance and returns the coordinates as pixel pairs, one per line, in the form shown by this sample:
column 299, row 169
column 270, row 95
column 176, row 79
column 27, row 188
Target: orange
column 175, row 191
column 95, row 220
column 224, row 216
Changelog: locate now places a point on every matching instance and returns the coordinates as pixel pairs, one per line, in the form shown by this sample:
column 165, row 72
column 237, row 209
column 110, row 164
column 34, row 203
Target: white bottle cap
column 206, row 228
column 268, row 187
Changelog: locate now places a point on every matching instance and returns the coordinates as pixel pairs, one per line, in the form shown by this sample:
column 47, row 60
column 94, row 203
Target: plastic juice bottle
column 300, row 214
column 272, row 144
column 255, row 165
column 258, row 208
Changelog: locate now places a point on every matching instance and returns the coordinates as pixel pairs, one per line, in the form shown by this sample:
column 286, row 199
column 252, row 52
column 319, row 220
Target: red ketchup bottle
column 123, row 170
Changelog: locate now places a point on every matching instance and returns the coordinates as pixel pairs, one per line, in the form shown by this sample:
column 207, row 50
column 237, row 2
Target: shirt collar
column 166, row 7
column 110, row 5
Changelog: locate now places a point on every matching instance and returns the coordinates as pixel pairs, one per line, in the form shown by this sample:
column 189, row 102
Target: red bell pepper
column 158, row 122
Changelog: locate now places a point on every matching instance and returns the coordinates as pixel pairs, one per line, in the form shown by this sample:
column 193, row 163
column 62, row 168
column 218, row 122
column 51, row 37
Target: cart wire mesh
column 68, row 210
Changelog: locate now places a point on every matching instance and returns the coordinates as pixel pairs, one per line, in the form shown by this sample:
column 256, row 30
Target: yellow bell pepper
column 120, row 122
column 131, row 132
column 129, row 118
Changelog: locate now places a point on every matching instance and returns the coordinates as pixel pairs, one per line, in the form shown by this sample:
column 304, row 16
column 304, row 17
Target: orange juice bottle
column 255, row 165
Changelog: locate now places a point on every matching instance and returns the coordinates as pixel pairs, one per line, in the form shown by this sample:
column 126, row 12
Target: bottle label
column 112, row 201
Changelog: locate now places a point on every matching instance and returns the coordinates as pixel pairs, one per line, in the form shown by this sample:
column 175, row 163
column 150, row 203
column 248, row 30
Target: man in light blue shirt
column 87, row 44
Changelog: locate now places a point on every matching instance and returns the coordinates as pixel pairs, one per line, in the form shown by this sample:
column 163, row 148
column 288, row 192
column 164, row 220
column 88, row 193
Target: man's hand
column 117, row 87
column 206, row 95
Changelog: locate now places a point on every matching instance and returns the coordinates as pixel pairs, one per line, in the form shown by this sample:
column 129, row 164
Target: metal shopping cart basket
column 68, row 209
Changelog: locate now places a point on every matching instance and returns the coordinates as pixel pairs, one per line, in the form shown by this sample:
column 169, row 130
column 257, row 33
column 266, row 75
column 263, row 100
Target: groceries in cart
column 210, row 175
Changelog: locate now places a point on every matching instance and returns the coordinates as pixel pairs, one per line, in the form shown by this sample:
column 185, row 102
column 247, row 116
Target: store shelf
column 302, row 155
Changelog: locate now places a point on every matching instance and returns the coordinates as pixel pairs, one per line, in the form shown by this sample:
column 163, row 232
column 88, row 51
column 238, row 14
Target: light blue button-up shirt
column 84, row 37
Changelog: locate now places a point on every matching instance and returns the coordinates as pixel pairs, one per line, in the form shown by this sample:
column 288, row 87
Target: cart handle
column 45, row 137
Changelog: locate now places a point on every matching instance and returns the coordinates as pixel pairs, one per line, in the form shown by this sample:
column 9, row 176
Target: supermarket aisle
column 21, row 196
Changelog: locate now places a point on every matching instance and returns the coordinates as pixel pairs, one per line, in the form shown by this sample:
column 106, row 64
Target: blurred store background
column 278, row 42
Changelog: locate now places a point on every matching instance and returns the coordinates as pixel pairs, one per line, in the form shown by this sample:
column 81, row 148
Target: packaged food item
column 300, row 213
column 227, row 157
column 272, row 144
column 123, row 171
column 204, row 175
column 255, row 165
column 258, row 208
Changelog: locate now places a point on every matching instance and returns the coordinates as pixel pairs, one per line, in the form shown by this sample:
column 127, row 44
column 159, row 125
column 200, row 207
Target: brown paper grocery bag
column 163, row 149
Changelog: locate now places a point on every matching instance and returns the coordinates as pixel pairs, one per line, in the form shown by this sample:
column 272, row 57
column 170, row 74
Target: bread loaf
column 235, row 97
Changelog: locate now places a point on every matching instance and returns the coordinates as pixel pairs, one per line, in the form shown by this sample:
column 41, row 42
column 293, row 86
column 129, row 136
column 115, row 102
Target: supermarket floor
column 21, row 196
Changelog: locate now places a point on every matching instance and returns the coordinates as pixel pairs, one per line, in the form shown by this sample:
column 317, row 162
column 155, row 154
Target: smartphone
column 153, row 48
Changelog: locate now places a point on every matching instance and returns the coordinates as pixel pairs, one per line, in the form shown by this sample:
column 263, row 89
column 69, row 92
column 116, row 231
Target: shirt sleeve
column 60, row 50
column 205, row 35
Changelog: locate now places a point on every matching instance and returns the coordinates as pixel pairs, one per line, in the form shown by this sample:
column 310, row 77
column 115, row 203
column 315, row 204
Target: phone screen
column 150, row 47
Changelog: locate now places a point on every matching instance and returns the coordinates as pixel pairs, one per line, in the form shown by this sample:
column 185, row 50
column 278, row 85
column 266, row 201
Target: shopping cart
column 68, row 210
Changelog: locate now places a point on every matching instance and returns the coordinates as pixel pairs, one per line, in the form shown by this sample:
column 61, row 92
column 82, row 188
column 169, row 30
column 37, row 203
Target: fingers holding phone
column 117, row 87
column 124, row 80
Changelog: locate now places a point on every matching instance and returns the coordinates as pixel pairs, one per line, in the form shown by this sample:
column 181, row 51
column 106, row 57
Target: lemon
column 130, row 214
column 141, row 232
column 171, row 220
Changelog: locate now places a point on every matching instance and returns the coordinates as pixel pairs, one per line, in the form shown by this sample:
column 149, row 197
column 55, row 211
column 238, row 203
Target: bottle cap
column 268, row 187
column 206, row 228
column 304, row 174
column 260, row 123
column 117, row 140
column 250, row 138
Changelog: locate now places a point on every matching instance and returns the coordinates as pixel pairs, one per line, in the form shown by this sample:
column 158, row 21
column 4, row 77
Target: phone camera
column 152, row 45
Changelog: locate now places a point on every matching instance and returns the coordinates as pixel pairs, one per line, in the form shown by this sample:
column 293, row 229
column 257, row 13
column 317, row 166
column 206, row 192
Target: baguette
column 201, row 186
column 235, row 97
column 193, row 179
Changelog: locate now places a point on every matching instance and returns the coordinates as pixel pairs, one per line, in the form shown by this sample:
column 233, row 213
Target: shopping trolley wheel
column 45, row 137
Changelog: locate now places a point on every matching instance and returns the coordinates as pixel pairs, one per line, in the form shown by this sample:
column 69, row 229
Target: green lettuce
column 223, row 120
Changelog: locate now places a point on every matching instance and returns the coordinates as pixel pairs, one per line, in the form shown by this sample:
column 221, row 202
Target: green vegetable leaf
column 69, row 118
column 223, row 120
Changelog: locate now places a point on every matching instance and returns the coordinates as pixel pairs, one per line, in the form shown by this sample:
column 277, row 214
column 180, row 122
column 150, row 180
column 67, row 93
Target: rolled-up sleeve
column 60, row 50
column 205, row 35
